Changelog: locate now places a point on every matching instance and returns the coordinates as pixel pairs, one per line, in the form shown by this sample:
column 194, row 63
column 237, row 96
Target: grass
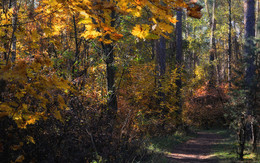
column 226, row 150
column 165, row 144
column 162, row 145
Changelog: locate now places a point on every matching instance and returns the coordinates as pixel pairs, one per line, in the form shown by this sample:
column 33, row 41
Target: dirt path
column 196, row 150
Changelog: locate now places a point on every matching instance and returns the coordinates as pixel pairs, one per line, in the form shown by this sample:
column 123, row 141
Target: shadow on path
column 196, row 150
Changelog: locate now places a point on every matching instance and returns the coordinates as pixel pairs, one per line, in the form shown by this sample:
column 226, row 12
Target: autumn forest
column 129, row 80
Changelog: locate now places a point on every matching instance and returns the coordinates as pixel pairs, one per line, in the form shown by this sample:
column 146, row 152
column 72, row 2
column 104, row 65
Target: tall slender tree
column 161, row 68
column 212, row 45
column 179, row 56
column 14, row 24
column 250, row 77
column 229, row 43
column 109, row 54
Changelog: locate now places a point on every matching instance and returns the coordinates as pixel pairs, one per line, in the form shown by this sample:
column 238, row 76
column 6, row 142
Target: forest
column 129, row 81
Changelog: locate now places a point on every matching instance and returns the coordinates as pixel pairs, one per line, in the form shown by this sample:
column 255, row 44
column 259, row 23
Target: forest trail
column 196, row 150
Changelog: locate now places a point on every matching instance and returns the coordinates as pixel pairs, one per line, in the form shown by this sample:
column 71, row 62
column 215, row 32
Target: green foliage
column 230, row 145
column 165, row 144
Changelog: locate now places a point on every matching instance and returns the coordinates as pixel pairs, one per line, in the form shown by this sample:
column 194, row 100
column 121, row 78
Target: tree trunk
column 229, row 44
column 212, row 46
column 161, row 66
column 76, row 45
column 179, row 58
column 5, row 37
column 207, row 8
column 13, row 4
column 109, row 54
column 112, row 102
column 160, row 49
column 250, row 82
column 161, row 56
column 250, row 76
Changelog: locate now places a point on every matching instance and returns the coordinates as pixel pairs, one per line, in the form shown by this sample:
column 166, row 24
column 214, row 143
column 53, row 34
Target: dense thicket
column 93, row 80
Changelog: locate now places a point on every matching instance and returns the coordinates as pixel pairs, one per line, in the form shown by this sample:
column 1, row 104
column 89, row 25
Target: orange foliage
column 206, row 107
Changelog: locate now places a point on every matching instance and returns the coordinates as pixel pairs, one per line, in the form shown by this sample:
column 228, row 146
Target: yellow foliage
column 30, row 139
column 31, row 88
column 141, row 31
column 96, row 16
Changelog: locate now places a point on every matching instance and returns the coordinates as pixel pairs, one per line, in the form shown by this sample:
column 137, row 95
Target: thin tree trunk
column 213, row 46
column 207, row 8
column 195, row 59
column 5, row 37
column 76, row 45
column 229, row 44
column 161, row 66
column 14, row 25
column 257, row 32
column 179, row 58
column 109, row 54
column 161, row 56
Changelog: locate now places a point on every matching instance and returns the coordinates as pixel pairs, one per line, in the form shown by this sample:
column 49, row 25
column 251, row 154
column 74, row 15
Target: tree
column 229, row 43
column 179, row 57
column 212, row 45
column 250, row 76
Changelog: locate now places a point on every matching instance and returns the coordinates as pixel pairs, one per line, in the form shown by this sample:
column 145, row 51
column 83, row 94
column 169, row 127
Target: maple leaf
column 30, row 139
column 141, row 31
column 116, row 36
column 165, row 27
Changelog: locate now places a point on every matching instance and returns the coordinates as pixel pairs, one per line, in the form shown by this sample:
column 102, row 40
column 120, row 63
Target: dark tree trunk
column 12, row 49
column 250, row 76
column 179, row 58
column 250, row 81
column 76, row 45
column 109, row 54
column 161, row 56
column 112, row 102
column 109, row 112
column 229, row 44
column 160, row 69
column 161, row 66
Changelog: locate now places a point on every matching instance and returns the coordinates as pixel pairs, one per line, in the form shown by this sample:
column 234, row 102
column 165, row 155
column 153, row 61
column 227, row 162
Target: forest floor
column 210, row 146
column 197, row 149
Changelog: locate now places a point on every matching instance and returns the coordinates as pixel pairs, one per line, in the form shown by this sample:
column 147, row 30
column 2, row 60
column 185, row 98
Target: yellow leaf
column 61, row 102
column 106, row 41
column 16, row 147
column 172, row 20
column 141, row 31
column 116, row 36
column 6, row 108
column 31, row 121
column 166, row 27
column 20, row 158
column 25, row 107
column 30, row 139
column 57, row 115
column 1, row 48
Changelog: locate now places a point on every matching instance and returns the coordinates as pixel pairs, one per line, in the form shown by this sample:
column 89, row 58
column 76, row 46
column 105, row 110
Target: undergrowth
column 226, row 150
column 160, row 146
